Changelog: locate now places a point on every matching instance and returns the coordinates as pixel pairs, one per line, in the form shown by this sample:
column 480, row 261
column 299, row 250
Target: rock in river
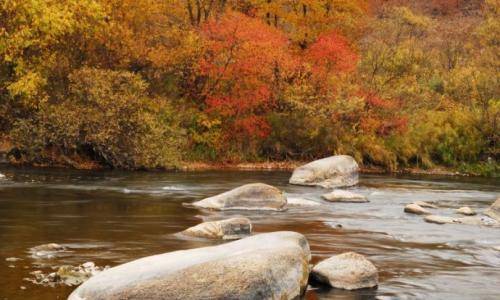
column 230, row 229
column 46, row 250
column 425, row 204
column 300, row 202
column 440, row 219
column 344, row 196
column 414, row 208
column 264, row 266
column 494, row 210
column 254, row 196
column 348, row 271
column 467, row 211
column 330, row 172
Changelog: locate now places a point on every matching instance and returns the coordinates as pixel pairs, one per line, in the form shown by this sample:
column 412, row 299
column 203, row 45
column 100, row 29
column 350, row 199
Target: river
column 111, row 217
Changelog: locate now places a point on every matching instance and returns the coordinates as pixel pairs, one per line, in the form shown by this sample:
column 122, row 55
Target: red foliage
column 244, row 59
column 331, row 52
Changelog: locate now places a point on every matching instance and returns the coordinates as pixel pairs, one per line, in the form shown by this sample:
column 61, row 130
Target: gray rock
column 344, row 196
column 255, row 196
column 348, row 271
column 467, row 211
column 494, row 210
column 2, row 176
column 265, row 266
column 230, row 229
column 331, row 172
column 440, row 219
column 497, row 248
column 413, row 208
column 299, row 202
column 425, row 204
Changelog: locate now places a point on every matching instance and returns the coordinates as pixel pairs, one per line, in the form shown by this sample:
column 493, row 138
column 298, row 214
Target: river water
column 113, row 217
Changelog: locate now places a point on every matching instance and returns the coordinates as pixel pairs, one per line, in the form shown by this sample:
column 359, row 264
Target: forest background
column 147, row 84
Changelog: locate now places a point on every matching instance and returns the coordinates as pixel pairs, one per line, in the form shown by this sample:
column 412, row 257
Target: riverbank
column 291, row 165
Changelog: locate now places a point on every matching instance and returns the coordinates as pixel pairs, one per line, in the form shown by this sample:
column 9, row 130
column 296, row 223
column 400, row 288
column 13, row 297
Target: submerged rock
column 330, row 172
column 299, row 202
column 344, row 196
column 66, row 275
column 348, row 271
column 494, row 210
column 230, row 229
column 469, row 220
column 440, row 219
column 46, row 250
column 264, row 266
column 414, row 208
column 13, row 259
column 254, row 196
column 2, row 176
column 467, row 211
column 425, row 204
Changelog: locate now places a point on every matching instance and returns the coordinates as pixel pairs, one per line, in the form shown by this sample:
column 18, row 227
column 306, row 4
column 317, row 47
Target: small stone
column 344, row 196
column 348, row 271
column 13, row 259
column 467, row 211
column 425, row 204
column 2, row 176
column 299, row 202
column 22, row 287
column 497, row 248
column 440, row 219
column 230, row 229
column 414, row 208
column 88, row 265
column 48, row 247
column 11, row 266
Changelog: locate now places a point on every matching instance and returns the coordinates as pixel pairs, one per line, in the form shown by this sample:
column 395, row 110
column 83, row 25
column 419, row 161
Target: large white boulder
column 331, row 172
column 265, row 266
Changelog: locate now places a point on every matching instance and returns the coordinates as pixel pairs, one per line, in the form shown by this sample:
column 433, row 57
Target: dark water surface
column 114, row 217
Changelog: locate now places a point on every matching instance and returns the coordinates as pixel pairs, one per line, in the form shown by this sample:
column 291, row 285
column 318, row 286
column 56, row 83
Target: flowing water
column 114, row 217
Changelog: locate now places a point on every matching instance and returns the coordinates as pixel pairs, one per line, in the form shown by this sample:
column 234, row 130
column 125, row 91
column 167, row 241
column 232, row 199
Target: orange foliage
column 244, row 60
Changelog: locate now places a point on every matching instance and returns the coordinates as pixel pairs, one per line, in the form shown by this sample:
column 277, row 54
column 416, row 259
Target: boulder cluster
column 273, row 265
column 490, row 217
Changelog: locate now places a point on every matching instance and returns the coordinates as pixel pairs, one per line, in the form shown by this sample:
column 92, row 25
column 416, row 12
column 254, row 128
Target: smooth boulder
column 230, row 229
column 330, row 172
column 254, row 196
column 494, row 210
column 344, row 196
column 414, row 208
column 349, row 271
column 264, row 266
